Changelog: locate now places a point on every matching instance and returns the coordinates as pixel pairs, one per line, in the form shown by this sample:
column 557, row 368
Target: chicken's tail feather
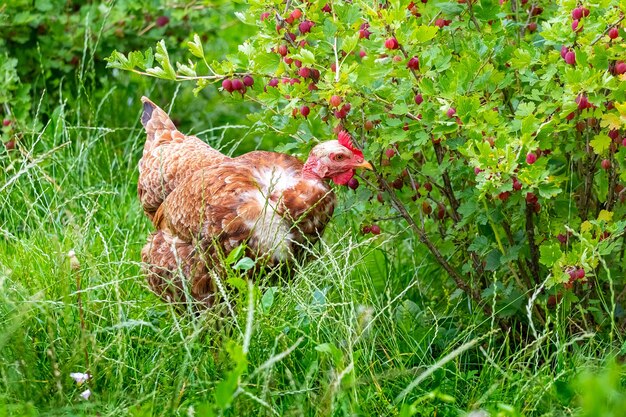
column 154, row 118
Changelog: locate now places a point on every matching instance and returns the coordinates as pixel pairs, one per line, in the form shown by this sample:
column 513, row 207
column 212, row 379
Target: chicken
column 204, row 204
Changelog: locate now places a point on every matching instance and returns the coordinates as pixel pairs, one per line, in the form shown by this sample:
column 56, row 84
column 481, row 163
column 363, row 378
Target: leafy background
column 374, row 325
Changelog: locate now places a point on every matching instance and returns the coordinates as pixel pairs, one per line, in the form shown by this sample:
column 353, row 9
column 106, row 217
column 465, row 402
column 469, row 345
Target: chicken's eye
column 338, row 157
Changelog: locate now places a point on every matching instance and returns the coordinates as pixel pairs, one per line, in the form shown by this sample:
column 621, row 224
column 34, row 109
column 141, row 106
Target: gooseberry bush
column 496, row 128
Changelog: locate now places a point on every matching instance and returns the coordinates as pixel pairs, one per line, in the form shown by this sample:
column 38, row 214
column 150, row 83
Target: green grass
column 369, row 327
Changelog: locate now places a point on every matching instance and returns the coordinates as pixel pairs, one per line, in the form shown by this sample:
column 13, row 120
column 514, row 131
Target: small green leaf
column 600, row 143
column 549, row 254
column 244, row 264
column 195, row 47
column 268, row 299
column 162, row 57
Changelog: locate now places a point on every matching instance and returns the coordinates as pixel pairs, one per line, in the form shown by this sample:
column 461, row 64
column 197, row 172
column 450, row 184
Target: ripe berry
column 564, row 50
column 273, row 82
column 583, row 102
column 346, row 107
column 248, row 81
column 575, row 26
column 570, row 57
column 282, row 50
column 531, row 198
column 414, row 63
column 441, row 211
column 624, row 142
column 516, row 184
column 364, row 34
column 6, row 122
column 580, row 273
column 366, row 229
column 341, row 114
column 440, row 23
column 405, row 127
column 606, row 164
column 419, row 99
column 585, row 12
column 305, row 26
column 162, row 21
column 532, row 26
column 428, row 186
column 362, row 53
column 620, row 67
column 613, row 134
column 504, row 196
column 296, row 14
column 613, row 33
column 531, row 158
column 392, row 43
column 326, row 8
column 304, row 72
column 577, row 13
column 334, row 101
column 426, row 208
column 375, row 229
column 451, row 112
column 397, row 183
column 353, row 183
column 368, row 125
column 237, row 84
column 10, row 145
column 227, row 85
column 304, row 110
column 390, row 153
column 264, row 16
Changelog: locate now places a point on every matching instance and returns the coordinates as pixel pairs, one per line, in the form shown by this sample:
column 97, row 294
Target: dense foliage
column 497, row 128
column 479, row 270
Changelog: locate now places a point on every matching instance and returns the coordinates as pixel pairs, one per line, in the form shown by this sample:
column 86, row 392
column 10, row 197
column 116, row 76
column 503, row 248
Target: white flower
column 80, row 377
column 85, row 394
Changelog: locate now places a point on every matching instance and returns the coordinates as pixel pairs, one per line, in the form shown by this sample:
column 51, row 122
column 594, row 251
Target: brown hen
column 204, row 204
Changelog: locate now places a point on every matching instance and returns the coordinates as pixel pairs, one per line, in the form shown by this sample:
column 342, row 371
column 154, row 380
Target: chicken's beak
column 365, row 165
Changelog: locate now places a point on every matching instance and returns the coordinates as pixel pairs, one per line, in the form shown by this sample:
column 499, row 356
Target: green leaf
column 600, row 143
column 424, row 33
column 235, row 254
column 268, row 299
column 550, row 253
column 493, row 260
column 162, row 57
column 195, row 46
column 244, row 264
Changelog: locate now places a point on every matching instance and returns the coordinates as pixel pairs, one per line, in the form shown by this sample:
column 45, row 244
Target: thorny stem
column 607, row 30
column 471, row 13
column 520, row 264
column 590, row 172
column 423, row 237
column 530, row 235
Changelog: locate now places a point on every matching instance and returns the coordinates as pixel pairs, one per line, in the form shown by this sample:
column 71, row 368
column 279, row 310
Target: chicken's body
column 205, row 204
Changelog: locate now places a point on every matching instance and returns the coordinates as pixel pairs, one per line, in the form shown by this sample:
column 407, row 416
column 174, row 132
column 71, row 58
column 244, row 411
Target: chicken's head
column 335, row 159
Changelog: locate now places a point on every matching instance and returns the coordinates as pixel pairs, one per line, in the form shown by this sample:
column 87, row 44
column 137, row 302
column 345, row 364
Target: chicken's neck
column 310, row 170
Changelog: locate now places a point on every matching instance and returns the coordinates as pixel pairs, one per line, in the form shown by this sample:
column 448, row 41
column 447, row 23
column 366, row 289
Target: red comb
column 344, row 139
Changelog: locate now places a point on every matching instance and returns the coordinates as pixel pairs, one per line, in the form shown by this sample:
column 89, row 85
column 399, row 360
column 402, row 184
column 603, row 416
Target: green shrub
column 497, row 131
